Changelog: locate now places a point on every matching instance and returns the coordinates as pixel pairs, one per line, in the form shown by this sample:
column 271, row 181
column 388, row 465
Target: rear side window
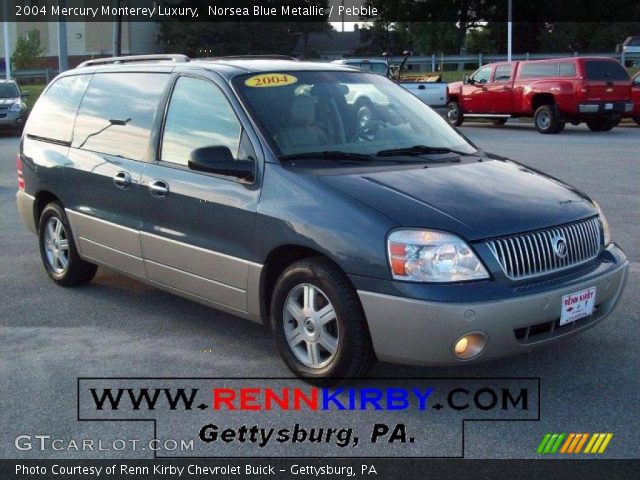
column 199, row 115
column 540, row 70
column 605, row 71
column 55, row 111
column 117, row 112
column 567, row 69
column 502, row 74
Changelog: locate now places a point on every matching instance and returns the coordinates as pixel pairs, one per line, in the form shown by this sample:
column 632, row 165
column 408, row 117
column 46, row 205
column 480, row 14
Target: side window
column 567, row 69
column 502, row 73
column 482, row 75
column 199, row 115
column 117, row 111
column 54, row 113
column 540, row 70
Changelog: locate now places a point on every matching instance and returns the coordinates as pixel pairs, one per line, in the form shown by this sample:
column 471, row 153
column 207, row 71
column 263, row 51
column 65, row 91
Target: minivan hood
column 482, row 199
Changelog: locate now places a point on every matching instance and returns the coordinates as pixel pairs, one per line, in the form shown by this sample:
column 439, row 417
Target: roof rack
column 252, row 57
column 178, row 58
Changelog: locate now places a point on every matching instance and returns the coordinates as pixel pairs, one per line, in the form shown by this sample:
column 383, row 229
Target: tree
column 27, row 52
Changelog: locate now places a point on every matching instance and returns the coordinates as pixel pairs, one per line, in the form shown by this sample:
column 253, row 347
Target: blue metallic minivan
column 258, row 187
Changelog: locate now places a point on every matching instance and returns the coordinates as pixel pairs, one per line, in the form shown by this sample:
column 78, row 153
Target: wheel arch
column 276, row 262
column 540, row 99
column 43, row 198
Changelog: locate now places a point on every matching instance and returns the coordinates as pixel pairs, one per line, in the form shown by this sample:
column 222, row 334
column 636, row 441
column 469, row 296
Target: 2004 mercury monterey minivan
column 252, row 185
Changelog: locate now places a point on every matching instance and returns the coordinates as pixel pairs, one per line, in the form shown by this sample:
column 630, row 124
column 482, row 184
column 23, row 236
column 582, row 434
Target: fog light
column 461, row 346
column 470, row 345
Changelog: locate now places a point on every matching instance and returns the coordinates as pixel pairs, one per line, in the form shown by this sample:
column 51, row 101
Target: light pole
column 509, row 28
column 63, row 57
column 7, row 47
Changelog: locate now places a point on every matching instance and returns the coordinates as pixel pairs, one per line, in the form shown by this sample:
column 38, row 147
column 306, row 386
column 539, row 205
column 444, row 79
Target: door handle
column 421, row 87
column 122, row 180
column 159, row 188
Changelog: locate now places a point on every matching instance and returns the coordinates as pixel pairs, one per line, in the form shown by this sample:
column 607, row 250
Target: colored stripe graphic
column 573, row 443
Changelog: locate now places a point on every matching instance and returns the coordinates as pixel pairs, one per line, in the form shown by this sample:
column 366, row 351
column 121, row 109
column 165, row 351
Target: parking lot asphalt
column 117, row 327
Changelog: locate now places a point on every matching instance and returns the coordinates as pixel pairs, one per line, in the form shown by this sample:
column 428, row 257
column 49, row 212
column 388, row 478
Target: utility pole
column 7, row 47
column 509, row 29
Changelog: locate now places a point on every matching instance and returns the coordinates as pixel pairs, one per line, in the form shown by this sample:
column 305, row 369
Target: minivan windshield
column 302, row 112
column 9, row 90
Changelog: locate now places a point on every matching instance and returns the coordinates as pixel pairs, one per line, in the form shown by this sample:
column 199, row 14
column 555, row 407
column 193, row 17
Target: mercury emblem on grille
column 560, row 246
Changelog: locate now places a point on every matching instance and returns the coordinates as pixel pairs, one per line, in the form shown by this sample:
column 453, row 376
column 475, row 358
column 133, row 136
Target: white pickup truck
column 433, row 93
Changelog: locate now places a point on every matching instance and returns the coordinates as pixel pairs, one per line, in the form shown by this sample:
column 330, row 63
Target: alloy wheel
column 311, row 326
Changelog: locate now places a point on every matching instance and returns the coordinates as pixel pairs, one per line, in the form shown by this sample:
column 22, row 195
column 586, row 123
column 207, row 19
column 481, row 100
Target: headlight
column 432, row 256
column 16, row 107
column 605, row 225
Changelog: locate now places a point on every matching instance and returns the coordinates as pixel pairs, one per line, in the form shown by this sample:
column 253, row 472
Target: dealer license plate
column 577, row 305
column 608, row 106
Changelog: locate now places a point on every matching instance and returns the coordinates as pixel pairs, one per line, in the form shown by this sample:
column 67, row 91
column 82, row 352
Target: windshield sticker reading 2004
column 270, row 80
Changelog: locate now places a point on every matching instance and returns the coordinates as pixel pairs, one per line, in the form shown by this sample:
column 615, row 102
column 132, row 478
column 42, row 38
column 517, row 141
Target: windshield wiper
column 418, row 150
column 330, row 155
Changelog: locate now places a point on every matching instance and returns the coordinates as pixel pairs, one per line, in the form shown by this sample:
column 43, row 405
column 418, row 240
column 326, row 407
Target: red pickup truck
column 579, row 89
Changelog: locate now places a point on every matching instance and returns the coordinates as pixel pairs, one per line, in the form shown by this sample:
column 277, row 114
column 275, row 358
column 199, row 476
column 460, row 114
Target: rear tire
column 318, row 323
column 58, row 250
column 546, row 120
column 637, row 119
column 498, row 122
column 454, row 114
column 601, row 124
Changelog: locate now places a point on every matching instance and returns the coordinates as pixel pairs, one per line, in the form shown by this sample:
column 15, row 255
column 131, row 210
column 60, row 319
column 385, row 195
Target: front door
column 198, row 229
column 474, row 93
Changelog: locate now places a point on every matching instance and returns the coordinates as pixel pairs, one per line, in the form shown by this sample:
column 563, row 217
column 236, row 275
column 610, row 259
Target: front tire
column 58, row 250
column 637, row 119
column 546, row 120
column 454, row 114
column 318, row 323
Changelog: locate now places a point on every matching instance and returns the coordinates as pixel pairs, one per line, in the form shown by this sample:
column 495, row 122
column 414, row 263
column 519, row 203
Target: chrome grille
column 532, row 254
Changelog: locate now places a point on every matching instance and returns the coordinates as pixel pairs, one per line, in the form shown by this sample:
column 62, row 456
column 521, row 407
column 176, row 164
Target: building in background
column 85, row 40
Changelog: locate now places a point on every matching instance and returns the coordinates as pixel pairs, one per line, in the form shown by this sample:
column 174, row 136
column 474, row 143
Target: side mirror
column 24, row 94
column 218, row 159
column 465, row 79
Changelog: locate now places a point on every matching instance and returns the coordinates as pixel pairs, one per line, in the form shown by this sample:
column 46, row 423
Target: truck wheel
column 498, row 122
column 637, row 119
column 454, row 114
column 58, row 250
column 546, row 119
column 601, row 124
column 318, row 323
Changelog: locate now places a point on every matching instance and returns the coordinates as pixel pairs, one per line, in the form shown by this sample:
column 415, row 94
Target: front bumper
column 9, row 119
column 605, row 108
column 419, row 332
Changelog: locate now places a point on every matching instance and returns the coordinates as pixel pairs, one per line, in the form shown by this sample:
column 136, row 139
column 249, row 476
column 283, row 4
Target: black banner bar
column 319, row 468
column 465, row 11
